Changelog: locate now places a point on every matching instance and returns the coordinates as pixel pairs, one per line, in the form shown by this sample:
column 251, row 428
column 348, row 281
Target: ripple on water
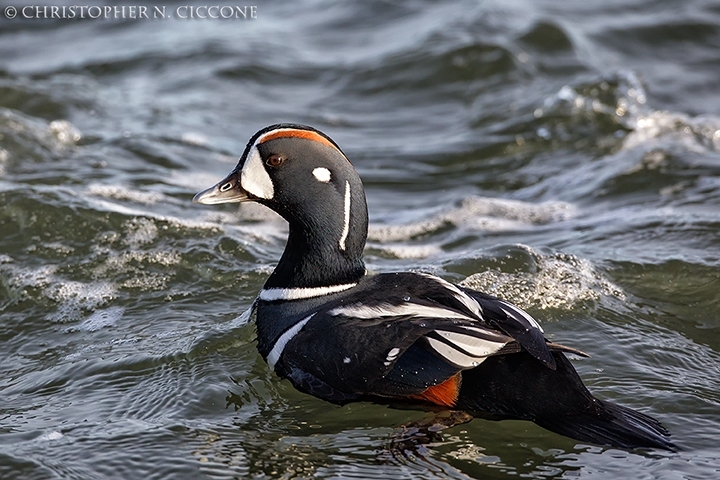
column 101, row 319
column 125, row 356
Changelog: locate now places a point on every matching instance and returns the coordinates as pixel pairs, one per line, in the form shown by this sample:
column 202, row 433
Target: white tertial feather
column 273, row 294
column 477, row 347
column 279, row 346
column 254, row 178
column 514, row 311
column 322, row 174
column 454, row 356
column 461, row 296
column 346, row 218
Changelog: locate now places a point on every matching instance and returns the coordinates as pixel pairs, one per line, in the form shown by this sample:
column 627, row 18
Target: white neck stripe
column 273, row 294
column 346, row 225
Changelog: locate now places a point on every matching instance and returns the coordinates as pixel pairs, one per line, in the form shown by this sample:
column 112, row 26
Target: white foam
column 194, row 138
column 54, row 435
column 4, row 156
column 698, row 134
column 561, row 281
column 75, row 297
column 21, row 277
column 126, row 262
column 65, row 132
column 140, row 231
column 72, row 297
column 119, row 192
column 57, row 135
column 197, row 181
column 408, row 251
column 629, row 109
column 102, row 319
column 479, row 213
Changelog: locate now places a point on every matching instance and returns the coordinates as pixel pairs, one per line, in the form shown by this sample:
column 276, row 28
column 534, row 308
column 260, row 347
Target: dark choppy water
column 565, row 155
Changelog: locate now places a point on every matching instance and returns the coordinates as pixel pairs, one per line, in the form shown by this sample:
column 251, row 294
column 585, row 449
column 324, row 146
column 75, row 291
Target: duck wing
column 404, row 335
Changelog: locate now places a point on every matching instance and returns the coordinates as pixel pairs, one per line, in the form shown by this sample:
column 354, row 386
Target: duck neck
column 308, row 262
column 324, row 249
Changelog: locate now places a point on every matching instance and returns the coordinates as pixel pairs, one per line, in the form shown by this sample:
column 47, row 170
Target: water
column 564, row 155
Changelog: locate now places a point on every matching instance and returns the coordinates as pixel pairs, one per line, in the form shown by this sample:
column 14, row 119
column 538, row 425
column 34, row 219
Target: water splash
column 65, row 132
column 29, row 137
column 699, row 134
column 559, row 281
column 140, row 231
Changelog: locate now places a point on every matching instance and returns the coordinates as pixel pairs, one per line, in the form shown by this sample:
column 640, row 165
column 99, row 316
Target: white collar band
column 273, row 294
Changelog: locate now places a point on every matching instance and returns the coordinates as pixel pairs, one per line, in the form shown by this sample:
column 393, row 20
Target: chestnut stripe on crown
column 295, row 133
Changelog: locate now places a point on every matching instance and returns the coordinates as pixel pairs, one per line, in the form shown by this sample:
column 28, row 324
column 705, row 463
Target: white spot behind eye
column 322, row 174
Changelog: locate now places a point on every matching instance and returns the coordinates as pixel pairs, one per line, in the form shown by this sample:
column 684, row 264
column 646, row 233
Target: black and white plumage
column 343, row 335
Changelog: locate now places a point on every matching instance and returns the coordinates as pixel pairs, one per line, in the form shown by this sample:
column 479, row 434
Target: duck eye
column 275, row 160
column 225, row 187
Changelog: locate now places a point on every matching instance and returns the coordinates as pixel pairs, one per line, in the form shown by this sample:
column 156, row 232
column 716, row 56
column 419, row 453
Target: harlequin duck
column 341, row 334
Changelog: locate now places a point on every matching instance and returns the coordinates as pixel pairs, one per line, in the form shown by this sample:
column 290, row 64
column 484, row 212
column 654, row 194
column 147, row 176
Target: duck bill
column 226, row 191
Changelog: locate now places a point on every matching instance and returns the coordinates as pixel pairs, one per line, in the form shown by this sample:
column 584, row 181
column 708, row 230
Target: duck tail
column 520, row 387
column 612, row 425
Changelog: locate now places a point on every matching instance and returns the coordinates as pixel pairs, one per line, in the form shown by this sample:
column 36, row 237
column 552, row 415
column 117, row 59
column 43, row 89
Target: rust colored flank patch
column 445, row 393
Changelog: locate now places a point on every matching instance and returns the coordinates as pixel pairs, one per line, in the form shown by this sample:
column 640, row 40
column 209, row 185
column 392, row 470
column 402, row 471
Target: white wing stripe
column 279, row 346
column 387, row 310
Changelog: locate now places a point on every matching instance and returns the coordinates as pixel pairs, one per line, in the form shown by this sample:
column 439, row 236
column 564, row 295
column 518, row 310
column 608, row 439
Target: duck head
column 303, row 175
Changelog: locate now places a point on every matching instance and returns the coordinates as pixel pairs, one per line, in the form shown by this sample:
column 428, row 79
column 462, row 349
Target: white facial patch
column 322, row 174
column 254, row 178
